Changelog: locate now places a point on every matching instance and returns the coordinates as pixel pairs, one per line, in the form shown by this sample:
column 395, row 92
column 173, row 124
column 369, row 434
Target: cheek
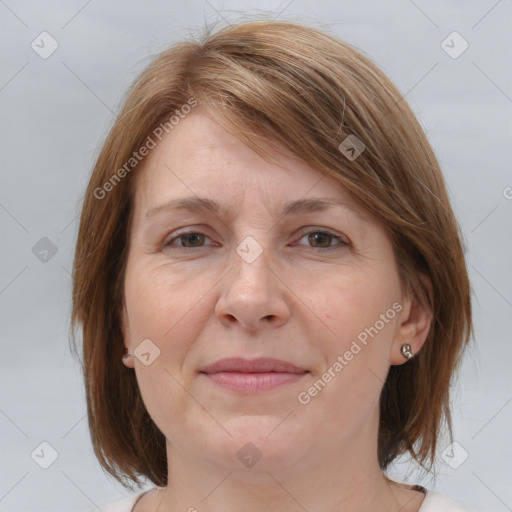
column 359, row 311
column 354, row 302
column 159, row 301
column 346, row 390
column 165, row 308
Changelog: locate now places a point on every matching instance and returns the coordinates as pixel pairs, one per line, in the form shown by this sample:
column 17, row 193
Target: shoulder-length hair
column 307, row 91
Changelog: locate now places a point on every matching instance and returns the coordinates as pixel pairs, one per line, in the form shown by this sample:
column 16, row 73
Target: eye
column 189, row 240
column 324, row 239
column 321, row 240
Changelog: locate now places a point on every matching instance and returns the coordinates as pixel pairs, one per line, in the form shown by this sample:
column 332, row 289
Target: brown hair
column 306, row 90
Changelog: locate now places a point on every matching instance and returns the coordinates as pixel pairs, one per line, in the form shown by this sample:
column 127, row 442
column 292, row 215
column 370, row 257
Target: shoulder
column 437, row 502
column 121, row 505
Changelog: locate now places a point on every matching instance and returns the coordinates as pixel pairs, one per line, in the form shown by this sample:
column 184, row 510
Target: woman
column 270, row 282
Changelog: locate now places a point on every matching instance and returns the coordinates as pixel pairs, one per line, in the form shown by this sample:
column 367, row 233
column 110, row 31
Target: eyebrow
column 296, row 207
column 204, row 204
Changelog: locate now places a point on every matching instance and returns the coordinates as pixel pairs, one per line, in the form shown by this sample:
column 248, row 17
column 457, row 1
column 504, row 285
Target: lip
column 260, row 365
column 250, row 376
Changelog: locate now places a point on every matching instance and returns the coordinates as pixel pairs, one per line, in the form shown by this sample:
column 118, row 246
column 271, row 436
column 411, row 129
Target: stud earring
column 406, row 351
column 127, row 355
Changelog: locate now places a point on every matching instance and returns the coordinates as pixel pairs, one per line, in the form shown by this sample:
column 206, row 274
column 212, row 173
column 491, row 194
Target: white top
column 433, row 502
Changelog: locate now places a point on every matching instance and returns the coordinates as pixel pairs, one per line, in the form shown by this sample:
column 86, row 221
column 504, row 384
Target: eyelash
column 342, row 243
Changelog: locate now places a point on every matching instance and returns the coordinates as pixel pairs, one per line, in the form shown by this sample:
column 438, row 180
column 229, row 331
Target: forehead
column 200, row 158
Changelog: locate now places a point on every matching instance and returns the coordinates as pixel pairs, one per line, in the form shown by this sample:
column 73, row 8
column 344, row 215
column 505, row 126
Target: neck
column 344, row 478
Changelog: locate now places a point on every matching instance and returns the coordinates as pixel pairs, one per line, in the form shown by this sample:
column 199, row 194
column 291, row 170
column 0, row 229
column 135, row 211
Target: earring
column 127, row 355
column 406, row 351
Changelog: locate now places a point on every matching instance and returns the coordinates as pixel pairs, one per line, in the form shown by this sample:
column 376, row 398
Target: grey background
column 55, row 114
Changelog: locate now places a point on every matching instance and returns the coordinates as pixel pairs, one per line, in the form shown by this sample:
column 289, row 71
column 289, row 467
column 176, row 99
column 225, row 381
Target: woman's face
column 312, row 284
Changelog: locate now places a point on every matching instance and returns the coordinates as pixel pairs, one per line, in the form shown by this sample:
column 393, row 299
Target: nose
column 253, row 294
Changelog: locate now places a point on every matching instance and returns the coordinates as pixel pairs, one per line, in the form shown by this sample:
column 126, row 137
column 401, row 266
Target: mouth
column 252, row 376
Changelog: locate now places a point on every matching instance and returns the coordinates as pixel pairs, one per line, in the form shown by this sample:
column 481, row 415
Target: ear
column 129, row 361
column 415, row 321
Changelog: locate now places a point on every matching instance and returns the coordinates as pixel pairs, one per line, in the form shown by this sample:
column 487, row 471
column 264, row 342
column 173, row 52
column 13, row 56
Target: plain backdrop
column 57, row 108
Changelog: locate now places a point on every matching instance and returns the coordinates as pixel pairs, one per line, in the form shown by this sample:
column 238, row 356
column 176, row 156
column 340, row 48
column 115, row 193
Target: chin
column 261, row 443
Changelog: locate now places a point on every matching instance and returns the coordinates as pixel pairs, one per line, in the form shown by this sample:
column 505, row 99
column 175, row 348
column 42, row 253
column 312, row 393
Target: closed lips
column 243, row 376
column 260, row 365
